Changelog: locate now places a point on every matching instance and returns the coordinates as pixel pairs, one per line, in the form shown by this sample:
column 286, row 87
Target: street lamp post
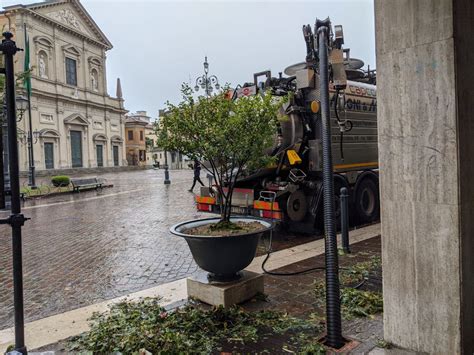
column 5, row 198
column 206, row 82
column 24, row 104
column 16, row 219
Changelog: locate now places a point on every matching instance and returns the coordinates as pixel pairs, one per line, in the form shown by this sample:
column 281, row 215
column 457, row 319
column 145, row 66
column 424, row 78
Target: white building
column 175, row 160
column 77, row 123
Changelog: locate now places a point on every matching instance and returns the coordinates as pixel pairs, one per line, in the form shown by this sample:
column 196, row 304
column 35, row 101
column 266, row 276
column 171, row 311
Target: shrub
column 60, row 180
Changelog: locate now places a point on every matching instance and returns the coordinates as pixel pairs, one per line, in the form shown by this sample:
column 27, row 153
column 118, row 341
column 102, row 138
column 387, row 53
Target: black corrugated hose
column 333, row 302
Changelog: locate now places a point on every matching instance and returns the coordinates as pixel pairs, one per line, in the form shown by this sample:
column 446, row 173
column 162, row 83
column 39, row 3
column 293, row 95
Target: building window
column 71, row 72
column 100, row 154
column 141, row 135
column 130, row 135
column 49, row 155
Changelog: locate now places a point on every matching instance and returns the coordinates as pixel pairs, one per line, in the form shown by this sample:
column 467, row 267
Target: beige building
column 77, row 123
column 151, row 140
column 137, row 135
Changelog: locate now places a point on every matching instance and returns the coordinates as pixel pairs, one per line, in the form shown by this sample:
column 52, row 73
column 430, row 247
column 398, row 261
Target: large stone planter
column 223, row 257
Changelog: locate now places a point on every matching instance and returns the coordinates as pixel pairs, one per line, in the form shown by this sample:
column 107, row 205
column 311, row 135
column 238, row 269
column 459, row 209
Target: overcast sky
column 160, row 44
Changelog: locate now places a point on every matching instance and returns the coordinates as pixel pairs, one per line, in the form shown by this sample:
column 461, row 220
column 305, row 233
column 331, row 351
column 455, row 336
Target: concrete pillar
column 425, row 61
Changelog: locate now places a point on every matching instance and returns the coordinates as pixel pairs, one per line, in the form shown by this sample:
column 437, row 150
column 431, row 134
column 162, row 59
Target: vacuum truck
column 290, row 190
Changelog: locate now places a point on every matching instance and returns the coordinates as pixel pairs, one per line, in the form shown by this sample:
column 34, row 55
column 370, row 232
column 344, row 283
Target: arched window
column 43, row 64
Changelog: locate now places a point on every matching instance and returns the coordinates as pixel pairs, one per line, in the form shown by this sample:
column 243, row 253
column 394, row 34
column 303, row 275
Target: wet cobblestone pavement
column 82, row 248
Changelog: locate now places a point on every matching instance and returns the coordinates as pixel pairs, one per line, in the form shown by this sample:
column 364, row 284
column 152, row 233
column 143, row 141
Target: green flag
column 26, row 68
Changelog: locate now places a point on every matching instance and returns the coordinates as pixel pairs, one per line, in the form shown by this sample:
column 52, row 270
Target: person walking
column 197, row 174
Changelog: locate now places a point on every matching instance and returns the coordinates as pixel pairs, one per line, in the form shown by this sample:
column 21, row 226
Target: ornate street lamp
column 21, row 106
column 25, row 137
column 206, row 82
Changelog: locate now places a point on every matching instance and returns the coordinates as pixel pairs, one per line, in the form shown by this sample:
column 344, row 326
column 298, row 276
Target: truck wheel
column 367, row 201
column 296, row 206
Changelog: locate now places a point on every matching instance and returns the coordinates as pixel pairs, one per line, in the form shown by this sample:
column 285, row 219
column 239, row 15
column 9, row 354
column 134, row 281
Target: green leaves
column 358, row 303
column 227, row 135
column 131, row 326
column 355, row 302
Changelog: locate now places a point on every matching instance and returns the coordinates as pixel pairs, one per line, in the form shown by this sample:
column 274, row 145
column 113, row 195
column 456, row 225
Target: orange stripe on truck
column 264, row 205
column 206, row 199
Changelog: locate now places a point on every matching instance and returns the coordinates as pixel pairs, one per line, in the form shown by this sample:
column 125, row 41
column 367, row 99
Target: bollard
column 344, row 197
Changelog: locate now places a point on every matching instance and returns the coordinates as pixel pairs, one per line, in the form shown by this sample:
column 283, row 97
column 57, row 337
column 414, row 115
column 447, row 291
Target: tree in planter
column 228, row 134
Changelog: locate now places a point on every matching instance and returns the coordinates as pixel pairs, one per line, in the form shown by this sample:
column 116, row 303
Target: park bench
column 86, row 183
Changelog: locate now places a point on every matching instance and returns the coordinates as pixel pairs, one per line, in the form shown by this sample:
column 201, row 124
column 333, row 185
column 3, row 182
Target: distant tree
column 149, row 142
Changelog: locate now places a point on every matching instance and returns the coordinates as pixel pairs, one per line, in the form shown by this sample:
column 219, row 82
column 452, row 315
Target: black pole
column 333, row 303
column 2, row 177
column 167, row 174
column 31, row 158
column 344, row 196
column 32, row 177
column 16, row 220
column 6, row 168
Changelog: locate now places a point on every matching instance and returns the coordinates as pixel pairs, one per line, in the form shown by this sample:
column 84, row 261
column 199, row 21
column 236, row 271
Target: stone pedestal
column 227, row 293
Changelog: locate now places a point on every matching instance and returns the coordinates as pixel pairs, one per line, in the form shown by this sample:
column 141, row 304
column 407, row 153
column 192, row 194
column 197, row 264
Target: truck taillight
column 270, row 215
column 204, row 207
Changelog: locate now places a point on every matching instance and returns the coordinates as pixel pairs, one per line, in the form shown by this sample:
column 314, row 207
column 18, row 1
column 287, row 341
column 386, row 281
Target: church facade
column 76, row 123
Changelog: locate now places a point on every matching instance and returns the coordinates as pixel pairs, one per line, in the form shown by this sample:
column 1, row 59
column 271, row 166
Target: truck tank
column 290, row 190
